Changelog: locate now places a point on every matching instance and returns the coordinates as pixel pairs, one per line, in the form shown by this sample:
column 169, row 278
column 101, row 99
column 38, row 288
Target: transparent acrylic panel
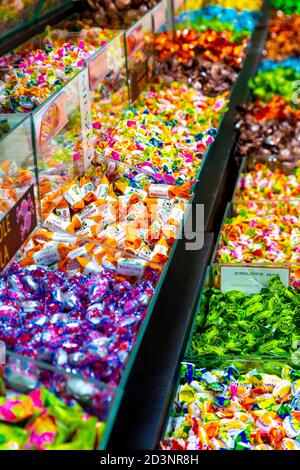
column 63, row 139
column 162, row 16
column 17, row 160
column 122, row 208
column 48, row 6
column 236, row 304
column 202, row 381
column 139, row 39
column 108, row 84
column 267, row 181
column 57, row 411
column 97, row 298
column 258, row 233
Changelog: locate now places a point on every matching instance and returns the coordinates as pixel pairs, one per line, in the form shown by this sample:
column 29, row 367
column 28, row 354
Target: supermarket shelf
column 147, row 398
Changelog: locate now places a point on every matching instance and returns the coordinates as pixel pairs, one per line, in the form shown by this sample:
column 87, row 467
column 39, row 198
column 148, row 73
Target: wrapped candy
column 262, row 232
column 85, row 323
column 41, row 410
column 236, row 323
column 209, row 45
column 239, row 406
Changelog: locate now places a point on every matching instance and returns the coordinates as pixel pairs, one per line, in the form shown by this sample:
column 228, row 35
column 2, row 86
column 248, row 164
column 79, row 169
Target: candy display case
column 121, row 207
column 100, row 297
column 273, row 180
column 63, row 138
column 216, row 387
column 260, row 233
column 234, row 307
column 44, row 408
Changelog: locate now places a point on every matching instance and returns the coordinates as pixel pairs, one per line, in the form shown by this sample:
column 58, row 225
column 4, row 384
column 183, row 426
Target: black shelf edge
column 147, row 397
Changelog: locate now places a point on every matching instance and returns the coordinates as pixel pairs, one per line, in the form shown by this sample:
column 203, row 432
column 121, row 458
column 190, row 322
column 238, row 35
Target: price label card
column 250, row 280
column 98, row 69
column 50, row 120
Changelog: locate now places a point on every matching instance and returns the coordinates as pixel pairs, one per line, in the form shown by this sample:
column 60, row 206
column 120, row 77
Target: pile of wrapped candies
column 14, row 12
column 283, row 40
column 75, row 306
column 239, row 406
column 42, row 410
column 209, row 45
column 254, row 5
column 207, row 49
column 218, row 18
column 287, row 6
column 235, row 323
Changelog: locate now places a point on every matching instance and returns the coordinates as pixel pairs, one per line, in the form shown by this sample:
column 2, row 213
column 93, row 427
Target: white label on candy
column 81, row 251
column 250, row 280
column 130, row 267
column 159, row 190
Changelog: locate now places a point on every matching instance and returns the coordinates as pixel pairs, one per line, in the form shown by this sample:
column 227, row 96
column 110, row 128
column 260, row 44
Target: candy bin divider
column 116, row 392
column 147, row 17
column 168, row 14
column 265, row 363
column 77, row 77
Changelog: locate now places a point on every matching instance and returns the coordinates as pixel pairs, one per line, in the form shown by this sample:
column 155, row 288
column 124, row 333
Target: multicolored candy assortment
column 242, row 406
column 42, row 410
